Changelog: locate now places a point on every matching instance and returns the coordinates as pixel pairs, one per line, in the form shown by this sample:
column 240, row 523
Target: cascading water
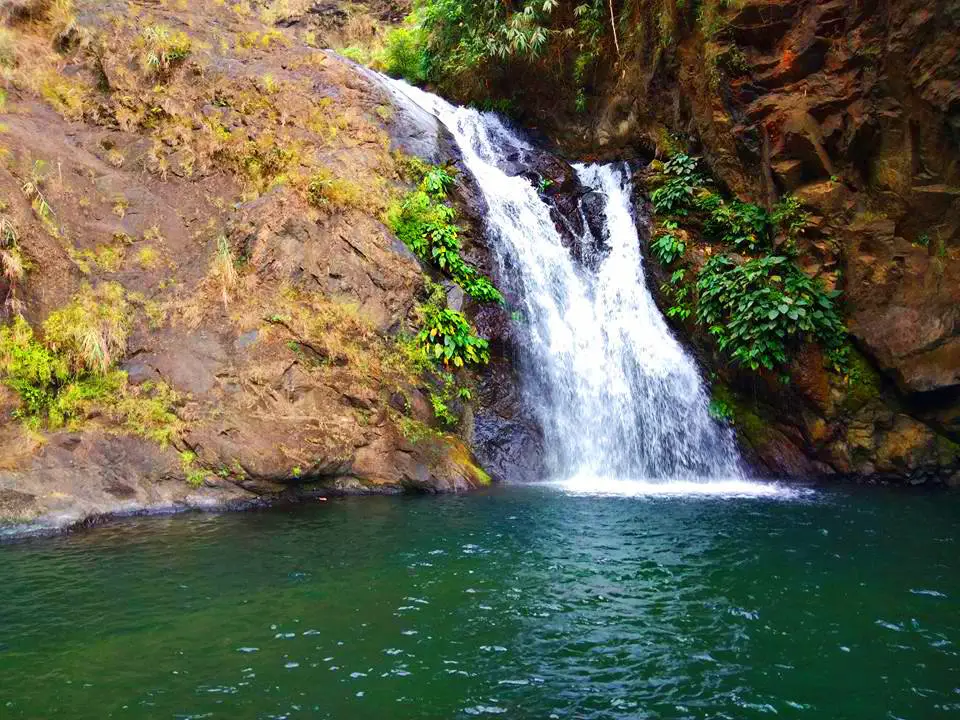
column 618, row 398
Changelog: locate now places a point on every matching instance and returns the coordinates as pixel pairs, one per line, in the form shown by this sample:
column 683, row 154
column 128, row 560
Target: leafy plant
column 425, row 224
column 682, row 307
column 745, row 226
column 758, row 308
column 30, row 369
column 447, row 337
column 790, row 217
column 668, row 246
column 720, row 411
column 441, row 410
column 437, row 181
column 675, row 195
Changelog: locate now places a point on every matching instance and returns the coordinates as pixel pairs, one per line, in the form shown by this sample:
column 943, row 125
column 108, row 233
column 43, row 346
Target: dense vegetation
column 457, row 43
column 751, row 296
column 425, row 222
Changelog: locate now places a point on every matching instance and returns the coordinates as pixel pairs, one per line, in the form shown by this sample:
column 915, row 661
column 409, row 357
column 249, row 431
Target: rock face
column 289, row 381
column 854, row 108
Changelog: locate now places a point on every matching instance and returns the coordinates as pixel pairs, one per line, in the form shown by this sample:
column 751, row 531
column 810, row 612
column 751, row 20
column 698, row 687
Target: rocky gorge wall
column 203, row 189
column 264, row 324
column 854, row 109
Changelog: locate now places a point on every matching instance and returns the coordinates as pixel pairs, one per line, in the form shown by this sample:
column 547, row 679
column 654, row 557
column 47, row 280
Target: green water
column 528, row 603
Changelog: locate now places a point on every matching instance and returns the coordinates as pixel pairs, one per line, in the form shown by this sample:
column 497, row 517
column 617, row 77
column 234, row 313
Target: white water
column 622, row 406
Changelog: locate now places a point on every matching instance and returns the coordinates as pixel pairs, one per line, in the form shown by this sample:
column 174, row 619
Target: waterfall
column 617, row 396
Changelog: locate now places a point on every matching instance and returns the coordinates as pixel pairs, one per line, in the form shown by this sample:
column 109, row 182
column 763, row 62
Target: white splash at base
column 589, row 485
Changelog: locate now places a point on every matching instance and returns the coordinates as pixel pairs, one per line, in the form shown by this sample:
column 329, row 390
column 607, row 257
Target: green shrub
column 30, row 369
column 720, row 411
column 425, row 223
column 757, row 309
column 405, row 55
column 676, row 195
column 745, row 226
column 790, row 217
column 682, row 307
column 667, row 246
column 447, row 337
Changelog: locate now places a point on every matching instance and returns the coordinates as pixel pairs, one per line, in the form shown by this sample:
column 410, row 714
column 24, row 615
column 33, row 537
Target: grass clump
column 265, row 162
column 12, row 266
column 68, row 97
column 91, row 332
column 147, row 257
column 325, row 190
column 223, row 269
column 8, row 48
column 164, row 49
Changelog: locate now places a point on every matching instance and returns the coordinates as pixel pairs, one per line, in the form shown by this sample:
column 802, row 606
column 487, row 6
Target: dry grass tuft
column 92, row 330
column 224, row 270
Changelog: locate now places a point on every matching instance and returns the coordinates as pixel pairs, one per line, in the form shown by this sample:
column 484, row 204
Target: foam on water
column 713, row 487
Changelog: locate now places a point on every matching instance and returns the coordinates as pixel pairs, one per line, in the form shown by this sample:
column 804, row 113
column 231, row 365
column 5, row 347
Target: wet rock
column 506, row 438
column 97, row 475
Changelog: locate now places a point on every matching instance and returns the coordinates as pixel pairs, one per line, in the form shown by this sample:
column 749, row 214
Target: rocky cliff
column 854, row 109
column 193, row 196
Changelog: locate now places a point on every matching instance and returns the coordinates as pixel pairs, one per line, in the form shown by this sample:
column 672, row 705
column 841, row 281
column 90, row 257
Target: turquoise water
column 522, row 602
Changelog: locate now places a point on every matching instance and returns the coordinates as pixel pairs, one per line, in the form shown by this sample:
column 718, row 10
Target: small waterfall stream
column 619, row 400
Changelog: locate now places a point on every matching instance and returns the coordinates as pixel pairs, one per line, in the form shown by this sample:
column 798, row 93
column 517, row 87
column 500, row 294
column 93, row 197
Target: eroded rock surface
column 289, row 380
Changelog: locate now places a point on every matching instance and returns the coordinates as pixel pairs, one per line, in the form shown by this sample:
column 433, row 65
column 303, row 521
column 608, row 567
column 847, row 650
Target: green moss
column 194, row 475
column 147, row 411
column 863, row 382
column 416, row 431
column 748, row 423
column 948, row 452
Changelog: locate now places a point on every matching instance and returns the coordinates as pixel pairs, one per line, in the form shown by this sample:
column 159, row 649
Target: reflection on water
column 528, row 603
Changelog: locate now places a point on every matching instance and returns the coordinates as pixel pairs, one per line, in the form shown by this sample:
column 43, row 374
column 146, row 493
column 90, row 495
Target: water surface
column 523, row 602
